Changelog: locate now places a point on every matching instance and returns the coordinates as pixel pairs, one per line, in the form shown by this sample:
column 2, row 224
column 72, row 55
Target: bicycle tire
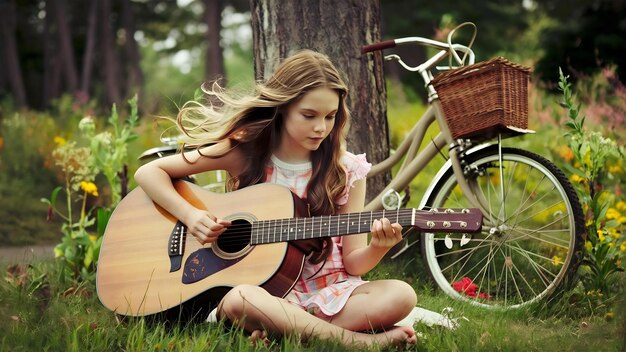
column 530, row 247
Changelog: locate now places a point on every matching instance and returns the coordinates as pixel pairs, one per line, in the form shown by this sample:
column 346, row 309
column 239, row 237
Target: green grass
column 47, row 314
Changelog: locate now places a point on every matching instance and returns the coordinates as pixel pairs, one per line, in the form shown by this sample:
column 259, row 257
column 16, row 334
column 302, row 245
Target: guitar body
column 138, row 275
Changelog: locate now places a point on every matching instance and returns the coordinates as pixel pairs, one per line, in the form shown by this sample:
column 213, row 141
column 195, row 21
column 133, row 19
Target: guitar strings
column 238, row 234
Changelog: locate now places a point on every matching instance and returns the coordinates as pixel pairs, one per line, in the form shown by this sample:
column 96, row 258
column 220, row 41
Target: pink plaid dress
column 323, row 289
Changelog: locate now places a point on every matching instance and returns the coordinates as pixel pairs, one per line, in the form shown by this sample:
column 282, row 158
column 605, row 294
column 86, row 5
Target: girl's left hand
column 385, row 234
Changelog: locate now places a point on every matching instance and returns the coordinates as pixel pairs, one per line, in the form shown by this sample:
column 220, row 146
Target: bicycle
column 213, row 181
column 532, row 215
column 531, row 212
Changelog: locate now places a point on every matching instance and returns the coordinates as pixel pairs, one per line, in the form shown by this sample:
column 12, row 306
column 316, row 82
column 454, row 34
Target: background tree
column 10, row 50
column 215, row 53
column 338, row 29
column 584, row 37
column 500, row 24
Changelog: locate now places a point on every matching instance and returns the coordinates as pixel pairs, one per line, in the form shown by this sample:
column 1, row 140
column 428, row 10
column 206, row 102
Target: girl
column 291, row 132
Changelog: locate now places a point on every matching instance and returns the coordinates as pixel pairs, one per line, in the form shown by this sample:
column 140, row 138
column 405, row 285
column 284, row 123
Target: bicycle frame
column 414, row 161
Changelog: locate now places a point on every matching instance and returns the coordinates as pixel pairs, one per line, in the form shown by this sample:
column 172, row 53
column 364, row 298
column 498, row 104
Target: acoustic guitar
column 148, row 264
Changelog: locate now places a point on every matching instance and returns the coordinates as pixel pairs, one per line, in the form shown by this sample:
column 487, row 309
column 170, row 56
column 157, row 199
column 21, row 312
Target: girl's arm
column 359, row 257
column 155, row 178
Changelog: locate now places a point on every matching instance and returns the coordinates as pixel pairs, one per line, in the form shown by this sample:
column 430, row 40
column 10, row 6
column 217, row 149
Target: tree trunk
column 51, row 63
column 338, row 29
column 65, row 45
column 12, row 66
column 90, row 44
column 215, row 53
column 135, row 75
column 109, row 54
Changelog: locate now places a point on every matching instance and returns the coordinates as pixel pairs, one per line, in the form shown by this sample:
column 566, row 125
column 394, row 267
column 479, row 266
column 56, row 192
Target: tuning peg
column 448, row 242
column 465, row 240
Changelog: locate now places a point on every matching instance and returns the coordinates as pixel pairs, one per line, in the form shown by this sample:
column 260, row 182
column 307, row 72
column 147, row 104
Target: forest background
column 64, row 60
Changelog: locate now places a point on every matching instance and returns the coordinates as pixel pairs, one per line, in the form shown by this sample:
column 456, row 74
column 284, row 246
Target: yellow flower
column 576, row 179
column 89, row 187
column 612, row 231
column 601, row 236
column 588, row 246
column 93, row 238
column 621, row 205
column 622, row 220
column 622, row 247
column 556, row 260
column 615, row 169
column 59, row 140
column 566, row 153
column 612, row 213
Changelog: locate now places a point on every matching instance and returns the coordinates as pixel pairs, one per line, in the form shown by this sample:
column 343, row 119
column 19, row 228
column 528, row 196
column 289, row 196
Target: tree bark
column 215, row 53
column 90, row 44
column 51, row 63
column 12, row 66
column 135, row 75
column 109, row 54
column 338, row 29
column 65, row 46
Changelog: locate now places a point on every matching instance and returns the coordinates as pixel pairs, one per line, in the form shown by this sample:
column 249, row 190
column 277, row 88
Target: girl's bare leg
column 253, row 308
column 376, row 305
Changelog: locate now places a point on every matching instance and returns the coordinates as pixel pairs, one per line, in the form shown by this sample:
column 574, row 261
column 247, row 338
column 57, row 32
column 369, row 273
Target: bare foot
column 398, row 336
column 259, row 336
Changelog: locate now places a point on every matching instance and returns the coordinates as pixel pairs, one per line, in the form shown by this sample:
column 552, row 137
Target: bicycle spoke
column 525, row 281
column 458, row 260
column 485, row 269
column 458, row 251
column 540, row 211
column 540, row 270
column 536, row 201
column 526, row 252
column 524, row 188
column 530, row 235
column 530, row 216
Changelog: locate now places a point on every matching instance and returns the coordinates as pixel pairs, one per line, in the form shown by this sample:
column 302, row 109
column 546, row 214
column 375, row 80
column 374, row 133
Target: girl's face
column 306, row 123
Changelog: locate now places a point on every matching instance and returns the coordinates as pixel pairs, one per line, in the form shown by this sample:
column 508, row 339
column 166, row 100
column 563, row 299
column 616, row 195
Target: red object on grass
column 467, row 287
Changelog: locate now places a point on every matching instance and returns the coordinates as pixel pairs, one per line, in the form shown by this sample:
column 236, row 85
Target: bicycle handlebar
column 420, row 41
column 378, row 46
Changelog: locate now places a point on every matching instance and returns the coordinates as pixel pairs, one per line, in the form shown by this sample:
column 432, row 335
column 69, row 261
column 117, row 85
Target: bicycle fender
column 444, row 169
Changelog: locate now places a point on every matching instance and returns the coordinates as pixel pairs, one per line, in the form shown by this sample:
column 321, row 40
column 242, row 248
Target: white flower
column 87, row 125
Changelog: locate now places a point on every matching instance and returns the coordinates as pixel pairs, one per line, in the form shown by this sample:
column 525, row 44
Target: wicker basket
column 481, row 100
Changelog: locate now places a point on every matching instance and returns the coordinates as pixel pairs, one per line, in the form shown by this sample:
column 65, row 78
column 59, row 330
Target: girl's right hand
column 205, row 227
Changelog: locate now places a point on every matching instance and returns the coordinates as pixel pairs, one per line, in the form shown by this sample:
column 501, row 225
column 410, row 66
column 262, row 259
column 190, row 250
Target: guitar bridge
column 176, row 246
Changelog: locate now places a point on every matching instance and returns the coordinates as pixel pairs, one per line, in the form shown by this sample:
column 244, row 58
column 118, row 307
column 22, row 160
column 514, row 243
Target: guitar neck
column 282, row 230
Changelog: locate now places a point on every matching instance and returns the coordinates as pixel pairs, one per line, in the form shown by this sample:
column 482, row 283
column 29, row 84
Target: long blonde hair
column 254, row 122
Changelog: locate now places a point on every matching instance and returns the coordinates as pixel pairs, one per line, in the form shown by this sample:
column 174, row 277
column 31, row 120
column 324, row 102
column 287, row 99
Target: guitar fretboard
column 281, row 230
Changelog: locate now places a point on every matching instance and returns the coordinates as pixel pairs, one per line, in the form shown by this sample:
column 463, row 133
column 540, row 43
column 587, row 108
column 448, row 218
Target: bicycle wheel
column 532, row 238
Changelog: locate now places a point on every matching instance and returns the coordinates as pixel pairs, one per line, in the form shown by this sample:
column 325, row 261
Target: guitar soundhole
column 236, row 237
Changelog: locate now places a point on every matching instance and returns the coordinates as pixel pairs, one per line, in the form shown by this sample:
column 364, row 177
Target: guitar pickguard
column 203, row 263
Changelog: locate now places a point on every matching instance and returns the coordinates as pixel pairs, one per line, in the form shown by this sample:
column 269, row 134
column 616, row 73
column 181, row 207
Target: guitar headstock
column 466, row 220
